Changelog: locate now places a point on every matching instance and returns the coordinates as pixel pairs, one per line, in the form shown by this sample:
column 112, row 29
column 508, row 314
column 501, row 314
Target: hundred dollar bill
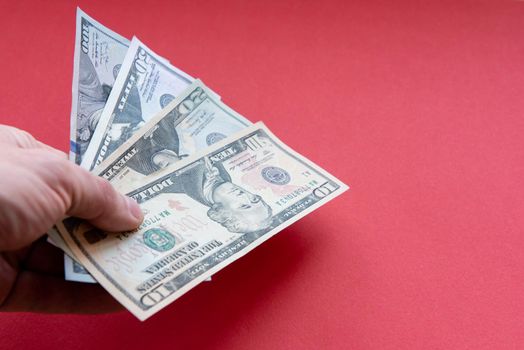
column 99, row 53
column 201, row 214
column 191, row 122
column 146, row 84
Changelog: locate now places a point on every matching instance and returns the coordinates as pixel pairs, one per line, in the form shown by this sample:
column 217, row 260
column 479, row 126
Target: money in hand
column 201, row 214
column 212, row 186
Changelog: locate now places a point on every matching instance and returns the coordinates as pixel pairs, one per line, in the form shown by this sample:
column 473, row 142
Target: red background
column 418, row 106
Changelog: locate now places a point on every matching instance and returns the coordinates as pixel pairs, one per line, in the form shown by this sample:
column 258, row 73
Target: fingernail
column 135, row 210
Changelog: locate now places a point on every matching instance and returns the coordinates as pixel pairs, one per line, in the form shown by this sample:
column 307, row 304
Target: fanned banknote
column 99, row 53
column 190, row 123
column 201, row 214
column 145, row 85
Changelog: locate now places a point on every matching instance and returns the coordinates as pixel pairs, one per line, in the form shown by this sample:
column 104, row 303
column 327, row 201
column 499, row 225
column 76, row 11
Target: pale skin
column 38, row 187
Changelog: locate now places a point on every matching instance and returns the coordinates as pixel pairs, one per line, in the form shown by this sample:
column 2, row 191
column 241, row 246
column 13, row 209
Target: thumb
column 94, row 199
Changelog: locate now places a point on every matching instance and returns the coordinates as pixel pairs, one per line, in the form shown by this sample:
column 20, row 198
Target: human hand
column 38, row 187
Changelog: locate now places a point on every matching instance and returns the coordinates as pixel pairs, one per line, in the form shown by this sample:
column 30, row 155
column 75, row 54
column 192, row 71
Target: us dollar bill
column 99, row 53
column 145, row 85
column 201, row 214
column 193, row 121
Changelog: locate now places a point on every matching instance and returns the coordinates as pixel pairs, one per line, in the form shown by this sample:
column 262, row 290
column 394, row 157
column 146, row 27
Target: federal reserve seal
column 165, row 99
column 159, row 240
column 214, row 137
column 275, row 175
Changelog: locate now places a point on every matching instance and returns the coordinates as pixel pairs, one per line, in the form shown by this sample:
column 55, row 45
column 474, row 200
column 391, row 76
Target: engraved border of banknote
column 134, row 305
